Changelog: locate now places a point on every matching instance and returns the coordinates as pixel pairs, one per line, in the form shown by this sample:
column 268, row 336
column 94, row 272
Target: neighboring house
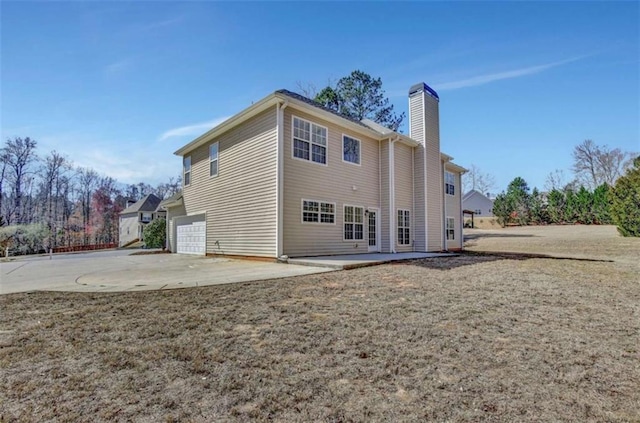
column 287, row 176
column 478, row 203
column 134, row 218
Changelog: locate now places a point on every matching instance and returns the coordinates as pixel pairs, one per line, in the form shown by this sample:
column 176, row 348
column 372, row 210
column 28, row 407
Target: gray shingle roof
column 147, row 203
column 320, row 106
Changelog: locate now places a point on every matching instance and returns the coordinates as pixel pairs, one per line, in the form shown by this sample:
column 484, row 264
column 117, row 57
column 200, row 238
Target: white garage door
column 191, row 235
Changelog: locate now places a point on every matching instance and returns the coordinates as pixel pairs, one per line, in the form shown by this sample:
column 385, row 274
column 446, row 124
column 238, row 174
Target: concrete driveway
column 118, row 270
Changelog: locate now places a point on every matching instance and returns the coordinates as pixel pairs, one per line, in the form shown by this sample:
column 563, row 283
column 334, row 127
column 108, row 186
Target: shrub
column 625, row 202
column 155, row 234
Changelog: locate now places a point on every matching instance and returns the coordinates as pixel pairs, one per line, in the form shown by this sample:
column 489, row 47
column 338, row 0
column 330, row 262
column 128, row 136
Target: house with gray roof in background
column 136, row 216
column 289, row 177
column 480, row 204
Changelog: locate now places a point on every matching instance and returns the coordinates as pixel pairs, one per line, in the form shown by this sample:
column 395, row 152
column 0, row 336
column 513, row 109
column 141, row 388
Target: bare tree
column 477, row 180
column 55, row 168
column 88, row 181
column 18, row 156
column 4, row 163
column 594, row 165
column 556, row 180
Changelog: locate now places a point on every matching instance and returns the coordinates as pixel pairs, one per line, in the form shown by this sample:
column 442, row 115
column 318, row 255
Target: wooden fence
column 90, row 247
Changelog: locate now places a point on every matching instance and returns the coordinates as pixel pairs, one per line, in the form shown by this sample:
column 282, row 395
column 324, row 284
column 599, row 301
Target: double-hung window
column 213, row 159
column 309, row 141
column 186, row 170
column 404, row 227
column 318, row 212
column 353, row 223
column 450, row 183
column 451, row 228
column 350, row 149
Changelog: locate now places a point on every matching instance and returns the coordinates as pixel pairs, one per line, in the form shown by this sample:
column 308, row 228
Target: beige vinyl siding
column 171, row 213
column 419, row 191
column 416, row 131
column 384, row 196
column 240, row 202
column 403, row 168
column 128, row 228
column 452, row 209
column 332, row 183
column 434, row 175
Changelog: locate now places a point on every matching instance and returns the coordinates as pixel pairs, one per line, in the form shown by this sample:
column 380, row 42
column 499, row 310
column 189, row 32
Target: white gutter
column 280, row 177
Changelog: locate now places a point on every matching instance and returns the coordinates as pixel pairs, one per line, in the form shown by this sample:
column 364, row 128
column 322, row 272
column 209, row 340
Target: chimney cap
column 422, row 87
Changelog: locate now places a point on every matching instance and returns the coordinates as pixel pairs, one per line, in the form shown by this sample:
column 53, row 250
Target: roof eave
column 455, row 167
column 230, row 123
column 323, row 114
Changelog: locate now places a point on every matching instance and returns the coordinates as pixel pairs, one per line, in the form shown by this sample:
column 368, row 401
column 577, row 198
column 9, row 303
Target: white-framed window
column 186, row 170
column 451, row 228
column 146, row 218
column 477, row 211
column 450, row 183
column 404, row 227
column 350, row 149
column 353, row 223
column 213, row 159
column 309, row 141
column 318, row 212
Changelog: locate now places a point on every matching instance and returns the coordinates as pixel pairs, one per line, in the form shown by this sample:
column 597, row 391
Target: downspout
column 280, row 177
column 392, row 196
column 413, row 197
column 444, row 209
column 461, row 214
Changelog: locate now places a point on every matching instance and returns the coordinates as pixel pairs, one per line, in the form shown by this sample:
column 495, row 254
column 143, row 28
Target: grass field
column 479, row 337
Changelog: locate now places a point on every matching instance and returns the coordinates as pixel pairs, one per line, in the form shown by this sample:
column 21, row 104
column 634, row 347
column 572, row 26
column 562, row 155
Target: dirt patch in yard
column 477, row 337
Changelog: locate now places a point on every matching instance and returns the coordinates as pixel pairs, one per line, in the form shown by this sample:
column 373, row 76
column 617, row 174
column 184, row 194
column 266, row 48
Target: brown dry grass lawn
column 473, row 338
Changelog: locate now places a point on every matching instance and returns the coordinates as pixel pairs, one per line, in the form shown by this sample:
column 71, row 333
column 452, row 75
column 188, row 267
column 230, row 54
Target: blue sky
column 119, row 86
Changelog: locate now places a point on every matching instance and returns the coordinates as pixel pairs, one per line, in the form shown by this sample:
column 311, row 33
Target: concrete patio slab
column 352, row 261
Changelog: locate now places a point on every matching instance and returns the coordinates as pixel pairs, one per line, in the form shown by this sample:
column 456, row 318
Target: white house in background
column 135, row 217
column 478, row 203
column 287, row 176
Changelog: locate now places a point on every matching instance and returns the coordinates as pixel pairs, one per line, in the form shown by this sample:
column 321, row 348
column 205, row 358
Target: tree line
column 605, row 190
column 47, row 202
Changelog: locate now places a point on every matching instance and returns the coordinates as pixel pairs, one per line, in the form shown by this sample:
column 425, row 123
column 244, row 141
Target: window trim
column 344, row 222
column 217, row 159
column 185, row 171
column 398, row 226
column 447, row 184
column 452, row 229
column 311, row 143
column 320, row 203
column 359, row 150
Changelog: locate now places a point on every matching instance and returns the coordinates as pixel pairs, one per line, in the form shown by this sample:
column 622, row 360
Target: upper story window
column 404, row 227
column 213, row 159
column 350, row 149
column 450, row 183
column 318, row 212
column 146, row 218
column 309, row 141
column 186, row 170
column 353, row 222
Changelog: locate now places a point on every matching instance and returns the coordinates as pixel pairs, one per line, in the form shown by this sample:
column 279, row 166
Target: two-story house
column 287, row 176
column 136, row 216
